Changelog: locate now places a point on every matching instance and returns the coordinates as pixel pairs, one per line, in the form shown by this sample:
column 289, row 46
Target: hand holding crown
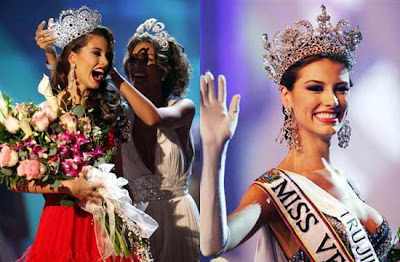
column 44, row 38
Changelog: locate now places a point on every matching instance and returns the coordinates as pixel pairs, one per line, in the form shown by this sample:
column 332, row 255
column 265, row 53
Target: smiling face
column 91, row 62
column 319, row 98
column 144, row 73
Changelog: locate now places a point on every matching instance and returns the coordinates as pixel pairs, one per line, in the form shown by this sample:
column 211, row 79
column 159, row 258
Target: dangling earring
column 71, row 76
column 163, row 78
column 344, row 134
column 289, row 131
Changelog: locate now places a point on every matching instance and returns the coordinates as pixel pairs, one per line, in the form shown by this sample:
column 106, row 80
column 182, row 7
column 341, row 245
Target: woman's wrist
column 52, row 66
column 51, row 50
column 51, row 60
column 116, row 78
column 66, row 187
column 216, row 142
column 215, row 151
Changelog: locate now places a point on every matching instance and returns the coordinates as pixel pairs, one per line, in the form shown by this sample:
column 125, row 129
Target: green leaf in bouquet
column 52, row 151
column 47, row 138
column 394, row 250
column 22, row 154
column 67, row 202
column 7, row 103
column 4, row 135
column 54, row 125
column 13, row 180
column 119, row 241
column 55, row 184
column 100, row 161
column 7, row 171
column 59, row 129
column 109, row 155
column 44, row 179
column 78, row 111
column 393, row 255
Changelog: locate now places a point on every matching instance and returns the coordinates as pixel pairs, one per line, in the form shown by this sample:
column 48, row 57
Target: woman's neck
column 309, row 157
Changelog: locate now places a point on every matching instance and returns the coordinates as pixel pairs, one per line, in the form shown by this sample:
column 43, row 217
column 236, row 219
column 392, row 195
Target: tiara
column 74, row 23
column 296, row 43
column 152, row 27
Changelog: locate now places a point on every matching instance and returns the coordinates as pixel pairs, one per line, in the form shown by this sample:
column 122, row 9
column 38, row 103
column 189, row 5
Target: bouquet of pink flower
column 48, row 144
column 37, row 143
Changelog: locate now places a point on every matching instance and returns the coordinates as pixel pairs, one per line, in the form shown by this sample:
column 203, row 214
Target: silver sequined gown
column 380, row 240
column 166, row 191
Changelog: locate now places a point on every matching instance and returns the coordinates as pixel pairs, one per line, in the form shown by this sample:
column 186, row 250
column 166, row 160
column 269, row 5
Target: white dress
column 166, row 191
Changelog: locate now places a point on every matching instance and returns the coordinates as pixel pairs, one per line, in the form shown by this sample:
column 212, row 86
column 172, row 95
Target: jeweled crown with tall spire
column 152, row 27
column 293, row 44
column 74, row 23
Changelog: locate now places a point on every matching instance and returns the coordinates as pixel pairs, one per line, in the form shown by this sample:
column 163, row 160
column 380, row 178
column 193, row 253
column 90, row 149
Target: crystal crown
column 74, row 23
column 296, row 43
column 152, row 27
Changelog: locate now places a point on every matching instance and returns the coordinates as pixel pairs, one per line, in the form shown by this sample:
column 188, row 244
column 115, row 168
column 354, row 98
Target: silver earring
column 71, row 76
column 344, row 134
column 289, row 131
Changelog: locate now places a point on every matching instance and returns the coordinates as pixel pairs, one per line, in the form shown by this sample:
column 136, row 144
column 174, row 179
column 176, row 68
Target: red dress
column 65, row 234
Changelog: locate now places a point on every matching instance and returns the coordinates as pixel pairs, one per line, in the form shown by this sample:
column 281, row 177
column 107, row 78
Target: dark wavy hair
column 106, row 102
column 173, row 62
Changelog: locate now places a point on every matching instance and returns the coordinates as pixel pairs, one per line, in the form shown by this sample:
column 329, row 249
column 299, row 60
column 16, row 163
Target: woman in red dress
column 66, row 233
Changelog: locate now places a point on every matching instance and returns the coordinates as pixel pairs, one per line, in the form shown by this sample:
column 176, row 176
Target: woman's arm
column 178, row 115
column 77, row 187
column 46, row 42
column 217, row 126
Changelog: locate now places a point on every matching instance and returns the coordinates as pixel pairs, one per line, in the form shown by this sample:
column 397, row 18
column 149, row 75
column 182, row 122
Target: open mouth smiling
column 327, row 116
column 139, row 75
column 98, row 74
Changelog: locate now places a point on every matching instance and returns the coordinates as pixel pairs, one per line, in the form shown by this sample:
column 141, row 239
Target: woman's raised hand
column 44, row 39
column 217, row 125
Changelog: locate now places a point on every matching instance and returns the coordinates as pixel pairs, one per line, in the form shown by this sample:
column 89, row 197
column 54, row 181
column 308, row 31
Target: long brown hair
column 106, row 102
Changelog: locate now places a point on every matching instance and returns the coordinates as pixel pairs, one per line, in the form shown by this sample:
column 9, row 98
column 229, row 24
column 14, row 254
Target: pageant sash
column 309, row 225
column 360, row 245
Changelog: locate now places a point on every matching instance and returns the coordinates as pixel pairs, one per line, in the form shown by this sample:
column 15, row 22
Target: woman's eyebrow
column 315, row 81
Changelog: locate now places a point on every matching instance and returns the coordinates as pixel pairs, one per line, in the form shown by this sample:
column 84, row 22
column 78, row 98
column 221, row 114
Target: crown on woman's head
column 152, row 27
column 293, row 44
column 74, row 23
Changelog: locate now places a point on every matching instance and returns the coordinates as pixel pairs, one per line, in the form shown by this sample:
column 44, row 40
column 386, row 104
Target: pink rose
column 68, row 121
column 50, row 113
column 14, row 158
column 5, row 156
column 8, row 157
column 11, row 124
column 31, row 169
column 40, row 121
